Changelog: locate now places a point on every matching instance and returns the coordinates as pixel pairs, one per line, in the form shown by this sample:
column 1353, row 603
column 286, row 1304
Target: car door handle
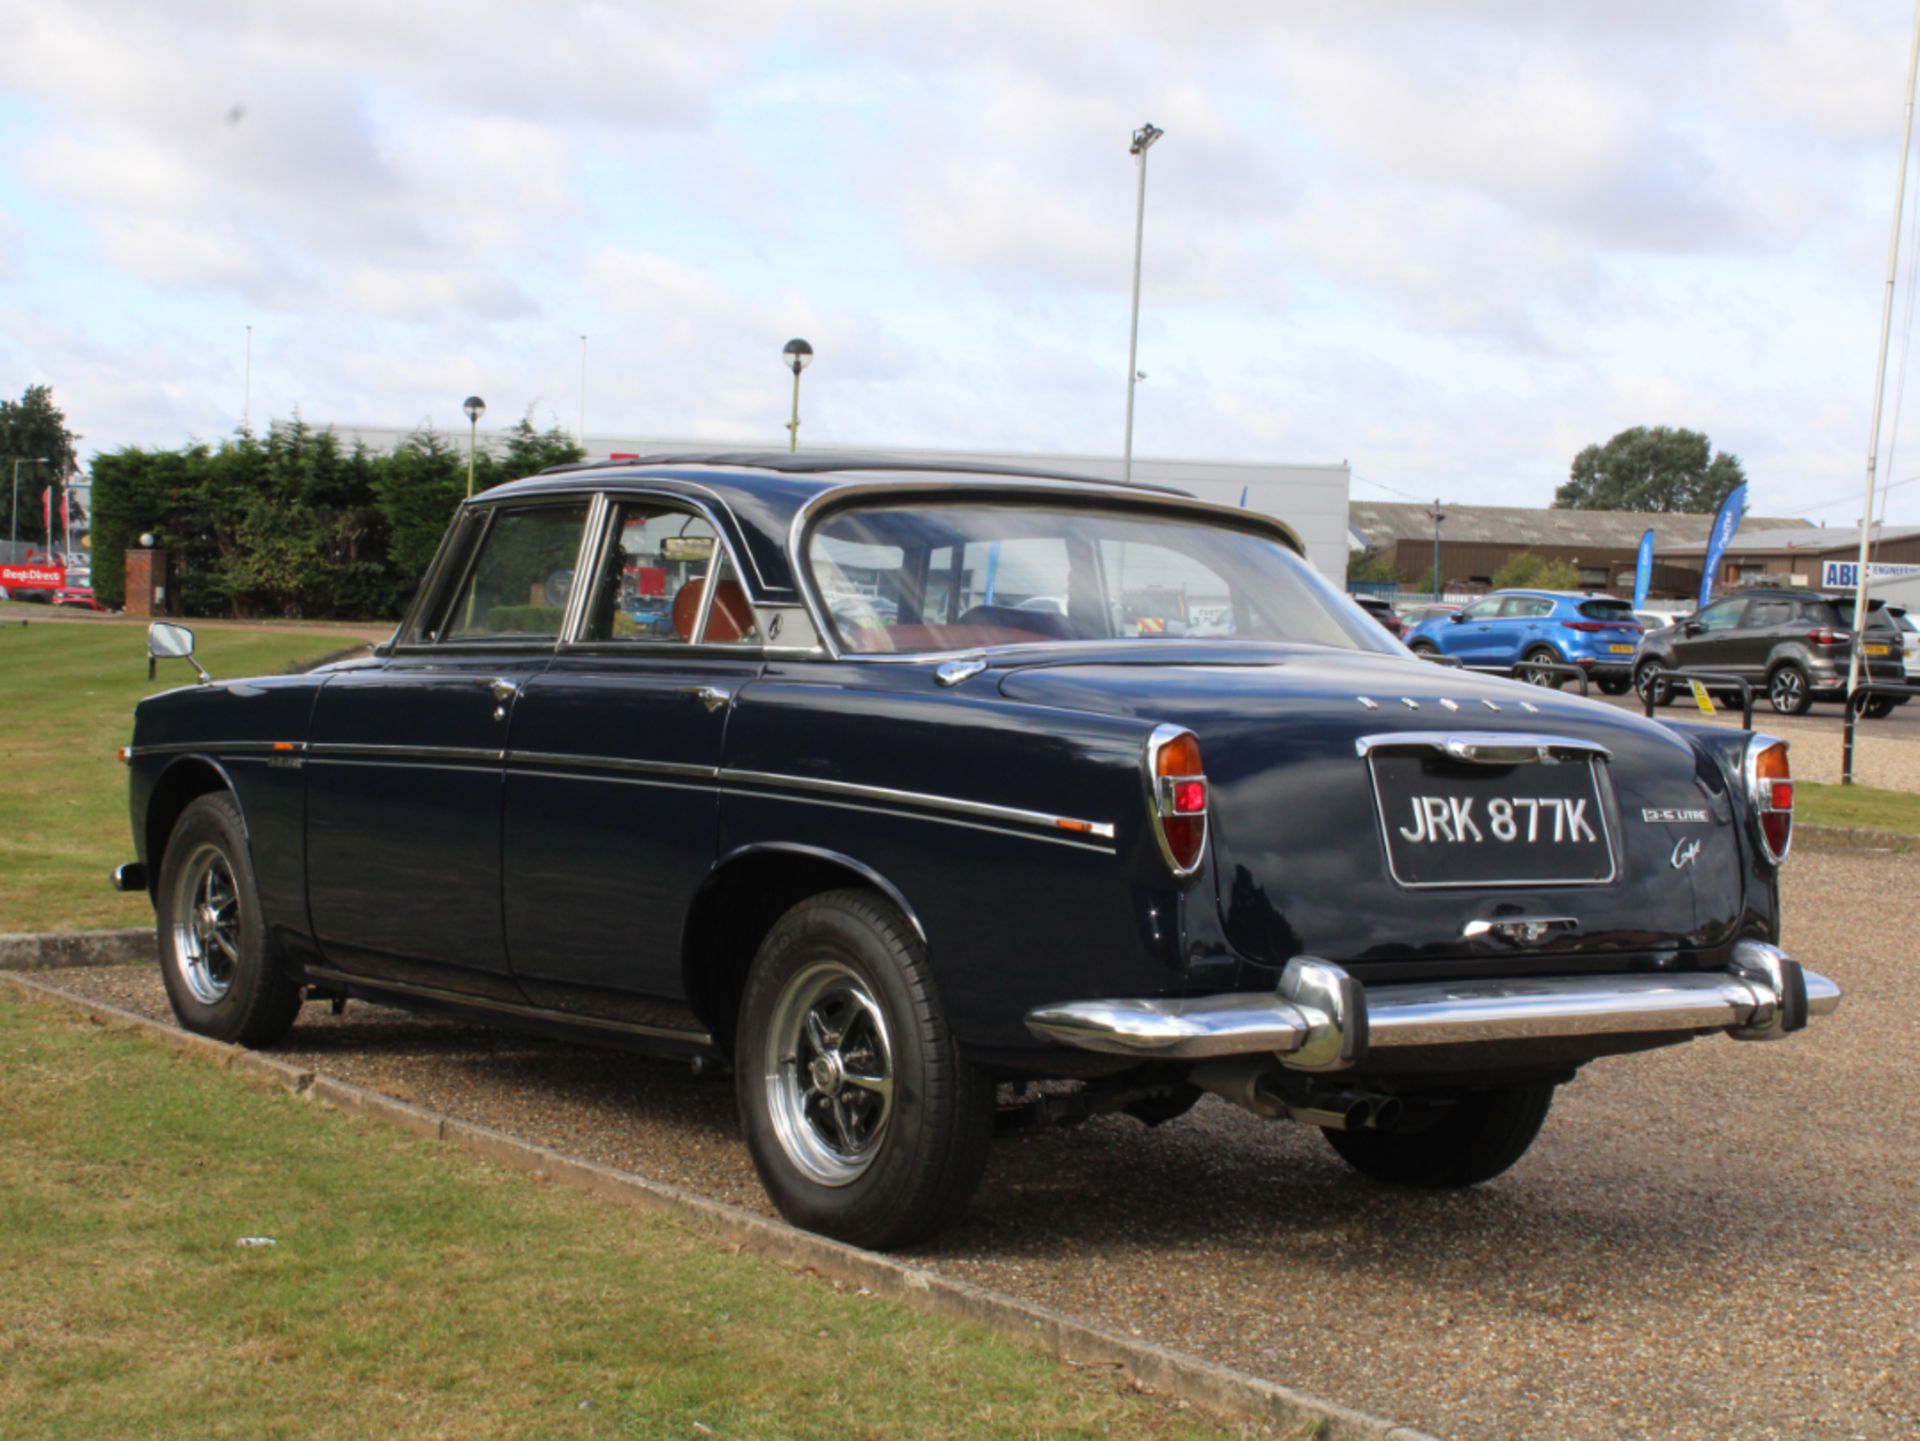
column 503, row 689
column 711, row 696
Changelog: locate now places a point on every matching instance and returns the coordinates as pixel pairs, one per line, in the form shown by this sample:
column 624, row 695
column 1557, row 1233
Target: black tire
column 1614, row 684
column 1424, row 648
column 224, row 976
column 1541, row 655
column 1788, row 690
column 888, row 1172
column 1647, row 677
column 1879, row 707
column 1476, row 1139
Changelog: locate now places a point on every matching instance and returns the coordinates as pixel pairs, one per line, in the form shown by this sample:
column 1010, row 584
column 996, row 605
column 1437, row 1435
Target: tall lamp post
column 1438, row 516
column 475, row 407
column 1143, row 139
column 798, row 355
column 13, row 546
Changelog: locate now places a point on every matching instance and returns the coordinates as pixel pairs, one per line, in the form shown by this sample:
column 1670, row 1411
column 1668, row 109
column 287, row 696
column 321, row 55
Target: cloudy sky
column 1450, row 242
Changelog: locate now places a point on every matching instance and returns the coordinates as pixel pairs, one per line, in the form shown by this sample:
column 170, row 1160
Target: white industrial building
column 1310, row 498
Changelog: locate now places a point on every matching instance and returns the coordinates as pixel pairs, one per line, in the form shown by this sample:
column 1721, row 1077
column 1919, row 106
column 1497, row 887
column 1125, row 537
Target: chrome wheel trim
column 1786, row 691
column 1647, row 682
column 204, row 940
column 1540, row 677
column 829, row 1073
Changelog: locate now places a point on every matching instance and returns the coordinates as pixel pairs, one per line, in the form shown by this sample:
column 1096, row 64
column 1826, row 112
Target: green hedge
column 525, row 619
column 291, row 523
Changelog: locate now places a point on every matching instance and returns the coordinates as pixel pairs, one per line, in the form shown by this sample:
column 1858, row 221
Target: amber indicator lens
column 1180, row 800
column 1179, row 757
column 1774, row 784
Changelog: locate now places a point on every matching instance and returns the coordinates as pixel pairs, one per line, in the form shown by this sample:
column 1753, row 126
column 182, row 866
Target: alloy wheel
column 829, row 1073
column 205, row 939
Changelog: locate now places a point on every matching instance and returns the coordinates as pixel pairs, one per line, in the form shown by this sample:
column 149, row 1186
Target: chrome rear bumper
column 1321, row 1019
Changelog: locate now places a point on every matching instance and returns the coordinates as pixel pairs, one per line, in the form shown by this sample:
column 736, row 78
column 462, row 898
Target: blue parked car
column 1595, row 632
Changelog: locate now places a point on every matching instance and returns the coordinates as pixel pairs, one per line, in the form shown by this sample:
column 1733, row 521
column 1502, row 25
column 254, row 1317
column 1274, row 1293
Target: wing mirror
column 167, row 641
column 1456, row 616
column 1692, row 627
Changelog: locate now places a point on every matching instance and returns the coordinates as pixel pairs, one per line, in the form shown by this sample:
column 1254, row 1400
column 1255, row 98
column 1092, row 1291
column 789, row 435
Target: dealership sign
column 33, row 577
column 1845, row 574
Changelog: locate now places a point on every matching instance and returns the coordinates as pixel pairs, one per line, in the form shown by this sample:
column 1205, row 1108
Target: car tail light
column 1770, row 792
column 1589, row 626
column 1177, row 797
column 1824, row 636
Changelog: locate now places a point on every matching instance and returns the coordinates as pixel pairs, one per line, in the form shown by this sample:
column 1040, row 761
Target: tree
column 32, row 428
column 1525, row 570
column 1662, row 469
column 1370, row 565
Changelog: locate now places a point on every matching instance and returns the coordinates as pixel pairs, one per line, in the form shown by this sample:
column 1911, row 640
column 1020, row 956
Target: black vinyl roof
column 763, row 490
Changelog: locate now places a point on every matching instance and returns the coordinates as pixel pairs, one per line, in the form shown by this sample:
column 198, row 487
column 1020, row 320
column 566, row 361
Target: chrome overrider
column 1321, row 1019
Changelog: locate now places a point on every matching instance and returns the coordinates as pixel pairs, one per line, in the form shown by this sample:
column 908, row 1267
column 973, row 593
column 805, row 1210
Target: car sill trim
column 486, row 1003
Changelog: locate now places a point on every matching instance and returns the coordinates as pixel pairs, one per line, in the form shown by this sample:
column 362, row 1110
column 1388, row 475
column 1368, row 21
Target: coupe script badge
column 1684, row 853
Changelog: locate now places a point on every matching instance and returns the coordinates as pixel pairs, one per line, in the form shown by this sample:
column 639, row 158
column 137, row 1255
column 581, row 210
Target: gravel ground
column 1714, row 1241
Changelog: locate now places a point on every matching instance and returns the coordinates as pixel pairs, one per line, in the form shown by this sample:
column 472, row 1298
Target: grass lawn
column 412, row 1292
column 66, row 706
column 1858, row 807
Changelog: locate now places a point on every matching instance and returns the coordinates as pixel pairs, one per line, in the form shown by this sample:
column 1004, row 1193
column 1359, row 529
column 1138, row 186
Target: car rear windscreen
column 1606, row 610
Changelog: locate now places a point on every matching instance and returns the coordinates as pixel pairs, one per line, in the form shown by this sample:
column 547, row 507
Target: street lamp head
column 1144, row 137
column 797, row 354
column 475, row 407
column 146, row 539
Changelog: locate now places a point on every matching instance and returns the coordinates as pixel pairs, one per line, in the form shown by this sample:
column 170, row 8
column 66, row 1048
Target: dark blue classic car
column 915, row 798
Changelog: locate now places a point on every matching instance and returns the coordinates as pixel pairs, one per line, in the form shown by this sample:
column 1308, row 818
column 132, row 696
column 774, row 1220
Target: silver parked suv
column 1791, row 645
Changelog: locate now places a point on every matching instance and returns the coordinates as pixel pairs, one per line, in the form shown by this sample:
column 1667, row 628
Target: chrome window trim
column 572, row 643
column 466, row 644
column 593, row 544
column 814, row 509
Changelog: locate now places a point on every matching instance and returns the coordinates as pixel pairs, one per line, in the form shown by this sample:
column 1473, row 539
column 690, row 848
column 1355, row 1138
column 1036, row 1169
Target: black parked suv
column 1790, row 644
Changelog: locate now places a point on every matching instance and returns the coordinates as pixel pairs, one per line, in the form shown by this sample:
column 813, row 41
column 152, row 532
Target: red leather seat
column 731, row 617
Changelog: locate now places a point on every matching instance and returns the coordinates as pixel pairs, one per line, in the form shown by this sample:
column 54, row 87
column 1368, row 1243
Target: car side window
column 1721, row 615
column 517, row 586
column 1526, row 607
column 651, row 583
column 1770, row 612
column 1483, row 609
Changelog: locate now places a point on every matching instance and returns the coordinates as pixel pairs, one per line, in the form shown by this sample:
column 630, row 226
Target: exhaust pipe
column 1256, row 1085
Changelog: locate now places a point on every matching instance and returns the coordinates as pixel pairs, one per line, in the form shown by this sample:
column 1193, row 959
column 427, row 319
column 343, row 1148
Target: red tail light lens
column 1824, row 636
column 1589, row 626
column 1770, row 791
column 1177, row 797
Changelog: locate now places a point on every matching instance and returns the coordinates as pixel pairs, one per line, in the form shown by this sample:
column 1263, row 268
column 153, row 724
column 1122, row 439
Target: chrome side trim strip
column 221, row 748
column 487, row 1003
column 1070, row 824
column 612, row 763
column 734, row 781
column 334, row 751
column 801, row 798
column 1433, row 1013
column 1492, row 748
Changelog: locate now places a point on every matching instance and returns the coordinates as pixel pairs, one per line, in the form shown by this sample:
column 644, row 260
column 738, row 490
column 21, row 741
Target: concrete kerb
column 1156, row 1368
column 56, row 950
